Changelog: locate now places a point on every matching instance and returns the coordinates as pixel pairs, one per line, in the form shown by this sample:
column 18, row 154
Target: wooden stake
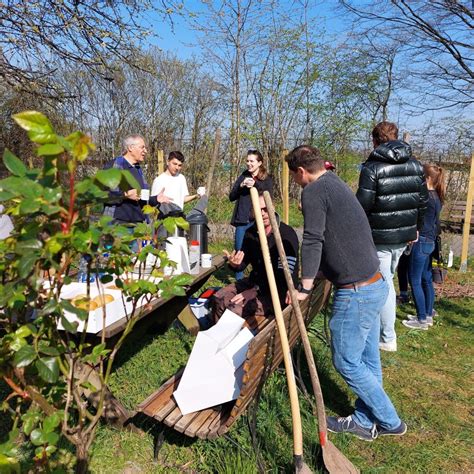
column 285, row 178
column 467, row 219
column 161, row 161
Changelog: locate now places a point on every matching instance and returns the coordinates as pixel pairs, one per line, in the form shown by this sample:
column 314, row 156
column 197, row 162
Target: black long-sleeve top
column 253, row 256
column 241, row 214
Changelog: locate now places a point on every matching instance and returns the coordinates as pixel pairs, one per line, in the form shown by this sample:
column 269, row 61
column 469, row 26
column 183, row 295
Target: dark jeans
column 421, row 278
column 402, row 272
column 240, row 230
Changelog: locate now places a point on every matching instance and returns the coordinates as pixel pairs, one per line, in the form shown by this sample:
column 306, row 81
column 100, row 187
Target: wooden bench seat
column 264, row 355
column 455, row 218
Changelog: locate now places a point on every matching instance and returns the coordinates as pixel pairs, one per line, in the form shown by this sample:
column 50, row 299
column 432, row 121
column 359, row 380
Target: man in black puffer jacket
column 392, row 191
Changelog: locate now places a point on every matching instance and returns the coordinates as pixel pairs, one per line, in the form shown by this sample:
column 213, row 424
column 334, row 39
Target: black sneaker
column 348, row 425
column 400, row 431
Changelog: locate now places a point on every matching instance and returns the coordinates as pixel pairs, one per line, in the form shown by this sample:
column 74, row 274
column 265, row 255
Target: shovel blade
column 335, row 461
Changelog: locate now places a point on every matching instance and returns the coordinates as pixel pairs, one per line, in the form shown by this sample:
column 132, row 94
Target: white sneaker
column 412, row 317
column 388, row 346
column 415, row 324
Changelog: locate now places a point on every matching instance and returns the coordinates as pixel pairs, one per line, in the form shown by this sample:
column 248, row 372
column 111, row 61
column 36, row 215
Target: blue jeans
column 389, row 255
column 240, row 230
column 355, row 329
column 421, row 278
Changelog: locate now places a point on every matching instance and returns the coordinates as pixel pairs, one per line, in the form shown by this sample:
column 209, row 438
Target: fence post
column 285, row 177
column 160, row 161
column 467, row 219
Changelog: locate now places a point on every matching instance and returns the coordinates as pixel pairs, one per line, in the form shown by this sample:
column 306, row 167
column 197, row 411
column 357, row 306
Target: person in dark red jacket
column 392, row 191
column 254, row 176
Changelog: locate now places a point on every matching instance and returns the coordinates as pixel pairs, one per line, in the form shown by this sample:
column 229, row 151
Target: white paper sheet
column 213, row 374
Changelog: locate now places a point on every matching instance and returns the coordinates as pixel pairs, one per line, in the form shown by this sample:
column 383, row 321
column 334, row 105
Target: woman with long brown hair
column 254, row 176
column 419, row 270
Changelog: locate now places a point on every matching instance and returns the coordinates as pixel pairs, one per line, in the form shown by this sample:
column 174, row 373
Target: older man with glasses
column 126, row 206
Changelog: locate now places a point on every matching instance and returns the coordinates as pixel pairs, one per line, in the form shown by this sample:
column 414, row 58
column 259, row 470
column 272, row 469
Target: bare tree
column 35, row 36
column 438, row 44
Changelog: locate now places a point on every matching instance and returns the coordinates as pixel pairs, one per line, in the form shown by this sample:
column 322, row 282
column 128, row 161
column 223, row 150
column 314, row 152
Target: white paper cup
column 206, row 260
column 201, row 190
column 145, row 194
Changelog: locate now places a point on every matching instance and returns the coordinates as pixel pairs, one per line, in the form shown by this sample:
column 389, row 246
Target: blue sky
column 181, row 40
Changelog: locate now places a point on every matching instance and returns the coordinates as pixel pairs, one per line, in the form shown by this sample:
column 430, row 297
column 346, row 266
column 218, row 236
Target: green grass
column 429, row 380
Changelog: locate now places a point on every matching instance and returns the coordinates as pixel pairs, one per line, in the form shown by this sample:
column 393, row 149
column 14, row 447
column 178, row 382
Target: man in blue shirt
column 126, row 206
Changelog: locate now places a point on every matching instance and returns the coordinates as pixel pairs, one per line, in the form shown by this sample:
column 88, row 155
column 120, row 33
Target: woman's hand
column 248, row 182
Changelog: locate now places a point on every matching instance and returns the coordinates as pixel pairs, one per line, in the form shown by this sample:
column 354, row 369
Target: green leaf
column 68, row 326
column 80, row 145
column 50, row 450
column 23, row 246
column 23, row 331
column 183, row 279
column 51, row 422
column 26, row 264
column 106, row 278
column 24, row 357
column 37, row 437
column 29, row 424
column 54, row 245
column 82, row 314
column 13, row 164
column 50, row 149
column 169, row 225
column 47, row 350
column 37, row 125
column 13, row 185
column 178, row 291
column 129, row 178
column 51, row 438
column 29, row 206
column 33, row 121
column 48, row 369
column 88, row 386
column 9, row 465
column 182, row 223
column 17, row 343
column 110, row 178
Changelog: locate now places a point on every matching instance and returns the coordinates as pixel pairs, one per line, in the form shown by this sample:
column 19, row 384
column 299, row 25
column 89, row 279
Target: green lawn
column 429, row 380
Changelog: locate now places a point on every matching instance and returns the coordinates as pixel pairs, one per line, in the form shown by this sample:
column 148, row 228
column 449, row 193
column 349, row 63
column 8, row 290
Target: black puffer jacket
column 393, row 193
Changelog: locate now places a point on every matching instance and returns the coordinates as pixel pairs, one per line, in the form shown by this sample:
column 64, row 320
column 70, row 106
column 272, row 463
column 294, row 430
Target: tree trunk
column 215, row 156
column 82, row 459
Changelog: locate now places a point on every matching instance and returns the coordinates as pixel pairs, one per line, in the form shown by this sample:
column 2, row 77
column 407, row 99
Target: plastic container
column 450, row 258
column 194, row 257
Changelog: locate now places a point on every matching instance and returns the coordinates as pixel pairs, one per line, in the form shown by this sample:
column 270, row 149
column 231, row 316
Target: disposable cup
column 206, row 260
column 145, row 194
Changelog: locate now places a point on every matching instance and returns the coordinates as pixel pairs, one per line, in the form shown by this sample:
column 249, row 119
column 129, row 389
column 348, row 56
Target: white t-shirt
column 175, row 187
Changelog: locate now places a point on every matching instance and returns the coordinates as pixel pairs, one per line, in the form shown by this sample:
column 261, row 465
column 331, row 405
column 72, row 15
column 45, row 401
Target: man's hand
column 235, row 258
column 132, row 194
column 244, row 297
column 161, row 198
column 299, row 296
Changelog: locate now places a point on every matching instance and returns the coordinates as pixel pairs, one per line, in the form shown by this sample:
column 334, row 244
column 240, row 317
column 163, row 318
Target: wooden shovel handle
column 290, row 375
column 318, row 395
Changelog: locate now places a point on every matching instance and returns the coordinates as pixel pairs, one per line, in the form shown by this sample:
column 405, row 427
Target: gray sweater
column 337, row 238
